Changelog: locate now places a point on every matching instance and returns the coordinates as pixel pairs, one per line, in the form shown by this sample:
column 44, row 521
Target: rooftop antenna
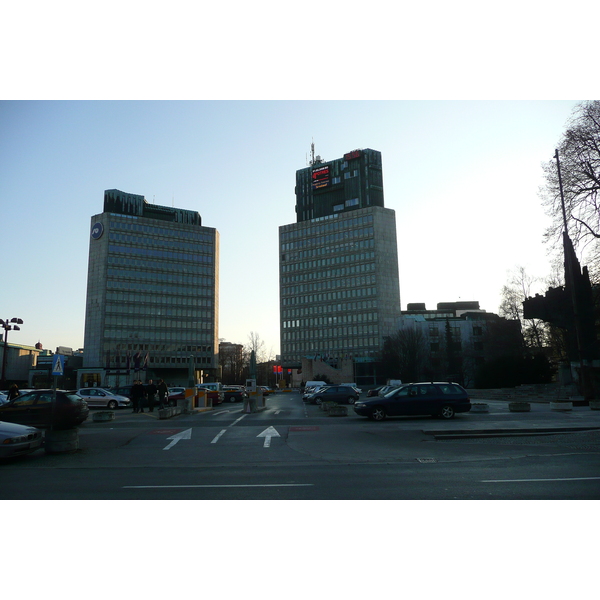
column 312, row 153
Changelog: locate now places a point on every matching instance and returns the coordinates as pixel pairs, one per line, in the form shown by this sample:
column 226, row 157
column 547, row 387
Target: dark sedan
column 334, row 393
column 37, row 408
column 435, row 399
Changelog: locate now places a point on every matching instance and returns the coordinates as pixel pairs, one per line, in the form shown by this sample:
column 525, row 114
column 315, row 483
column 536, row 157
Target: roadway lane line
column 216, row 438
column 233, row 485
column 533, row 480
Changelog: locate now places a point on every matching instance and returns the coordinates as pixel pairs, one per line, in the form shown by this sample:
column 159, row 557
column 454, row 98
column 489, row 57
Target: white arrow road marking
column 276, row 412
column 268, row 433
column 182, row 435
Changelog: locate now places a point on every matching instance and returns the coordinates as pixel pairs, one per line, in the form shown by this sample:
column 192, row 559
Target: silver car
column 18, row 439
column 96, row 396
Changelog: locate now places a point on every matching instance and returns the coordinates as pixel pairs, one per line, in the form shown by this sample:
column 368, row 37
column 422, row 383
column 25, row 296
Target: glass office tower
column 338, row 266
column 152, row 292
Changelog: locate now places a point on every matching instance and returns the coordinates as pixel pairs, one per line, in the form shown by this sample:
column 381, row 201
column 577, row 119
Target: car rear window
column 451, row 390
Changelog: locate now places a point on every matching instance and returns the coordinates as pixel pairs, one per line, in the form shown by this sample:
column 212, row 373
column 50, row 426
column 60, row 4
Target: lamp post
column 8, row 326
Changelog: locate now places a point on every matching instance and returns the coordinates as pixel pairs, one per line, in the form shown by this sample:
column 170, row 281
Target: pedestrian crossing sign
column 58, row 365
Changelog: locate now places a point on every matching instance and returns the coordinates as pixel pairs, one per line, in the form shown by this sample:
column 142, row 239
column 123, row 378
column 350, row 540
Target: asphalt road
column 295, row 451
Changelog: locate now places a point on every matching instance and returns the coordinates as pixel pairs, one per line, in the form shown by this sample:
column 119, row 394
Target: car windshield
column 392, row 391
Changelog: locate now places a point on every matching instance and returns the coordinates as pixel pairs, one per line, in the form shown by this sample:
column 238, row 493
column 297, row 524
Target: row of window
column 337, row 308
column 320, row 241
column 327, row 250
column 328, row 262
column 166, row 244
column 322, row 226
column 157, row 311
column 141, row 299
column 329, row 296
column 332, row 320
column 166, row 254
column 174, row 333
column 333, row 333
column 359, row 345
column 187, row 268
column 355, row 286
column 347, row 204
column 344, row 271
column 123, row 349
column 191, row 281
column 153, row 230
column 151, row 287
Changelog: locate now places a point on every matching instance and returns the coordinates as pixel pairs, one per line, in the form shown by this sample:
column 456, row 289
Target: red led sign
column 351, row 155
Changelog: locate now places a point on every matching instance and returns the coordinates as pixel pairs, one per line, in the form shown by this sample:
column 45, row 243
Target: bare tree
column 256, row 344
column 579, row 155
column 518, row 288
column 405, row 354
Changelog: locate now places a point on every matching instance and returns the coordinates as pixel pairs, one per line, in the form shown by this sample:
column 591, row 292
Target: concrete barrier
column 103, row 415
column 167, row 413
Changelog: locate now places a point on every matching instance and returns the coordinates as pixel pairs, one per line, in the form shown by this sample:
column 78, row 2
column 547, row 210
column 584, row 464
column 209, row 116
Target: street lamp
column 8, row 326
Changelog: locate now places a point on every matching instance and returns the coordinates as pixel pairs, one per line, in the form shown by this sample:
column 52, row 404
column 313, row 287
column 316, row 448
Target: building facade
column 338, row 266
column 152, row 294
column 457, row 338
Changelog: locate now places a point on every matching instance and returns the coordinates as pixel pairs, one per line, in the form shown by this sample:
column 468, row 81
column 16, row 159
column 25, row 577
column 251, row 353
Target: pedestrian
column 151, row 391
column 137, row 396
column 13, row 391
column 163, row 392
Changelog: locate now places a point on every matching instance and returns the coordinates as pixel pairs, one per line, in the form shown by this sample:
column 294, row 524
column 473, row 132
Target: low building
column 459, row 337
column 19, row 359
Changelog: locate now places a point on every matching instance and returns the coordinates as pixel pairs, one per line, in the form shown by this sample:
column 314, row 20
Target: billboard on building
column 320, row 178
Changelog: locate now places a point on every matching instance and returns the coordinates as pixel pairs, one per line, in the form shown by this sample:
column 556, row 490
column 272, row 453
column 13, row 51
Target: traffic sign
column 58, row 365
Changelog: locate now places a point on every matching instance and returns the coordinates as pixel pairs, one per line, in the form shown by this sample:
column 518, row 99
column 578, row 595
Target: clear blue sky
column 462, row 177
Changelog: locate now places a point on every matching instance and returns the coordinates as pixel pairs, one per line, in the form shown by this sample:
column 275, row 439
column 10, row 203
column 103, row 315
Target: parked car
column 104, row 398
column 37, row 408
column 311, row 389
column 266, row 390
column 374, row 391
column 16, row 439
column 124, row 390
column 234, row 393
column 176, row 393
column 435, row 399
column 215, row 395
column 334, row 393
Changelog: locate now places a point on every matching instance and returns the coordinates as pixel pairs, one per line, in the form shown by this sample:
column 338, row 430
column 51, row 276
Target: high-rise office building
column 338, row 266
column 152, row 293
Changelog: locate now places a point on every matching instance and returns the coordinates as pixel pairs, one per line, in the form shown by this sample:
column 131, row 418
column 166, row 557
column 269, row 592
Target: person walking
column 151, row 391
column 137, row 396
column 13, row 391
column 163, row 392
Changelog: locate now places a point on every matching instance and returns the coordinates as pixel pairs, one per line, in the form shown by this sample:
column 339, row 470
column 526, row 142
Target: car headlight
column 359, row 405
column 15, row 440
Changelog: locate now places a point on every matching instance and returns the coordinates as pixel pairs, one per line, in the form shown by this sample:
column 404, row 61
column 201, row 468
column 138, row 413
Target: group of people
column 140, row 392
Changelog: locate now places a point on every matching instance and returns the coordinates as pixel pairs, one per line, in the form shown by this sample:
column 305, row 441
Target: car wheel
column 378, row 413
column 447, row 412
column 112, row 404
column 351, row 399
column 232, row 399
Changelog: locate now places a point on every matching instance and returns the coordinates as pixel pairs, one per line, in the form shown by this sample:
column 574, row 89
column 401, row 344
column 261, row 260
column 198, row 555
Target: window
column 338, row 207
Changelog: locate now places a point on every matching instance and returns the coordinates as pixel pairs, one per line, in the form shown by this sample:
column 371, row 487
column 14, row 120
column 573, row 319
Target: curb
column 479, row 433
